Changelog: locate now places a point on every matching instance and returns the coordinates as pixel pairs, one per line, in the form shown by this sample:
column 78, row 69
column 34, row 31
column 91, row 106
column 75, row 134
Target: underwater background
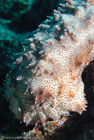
column 18, row 18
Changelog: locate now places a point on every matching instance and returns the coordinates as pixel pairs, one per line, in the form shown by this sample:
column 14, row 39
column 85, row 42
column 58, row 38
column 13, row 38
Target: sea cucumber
column 46, row 83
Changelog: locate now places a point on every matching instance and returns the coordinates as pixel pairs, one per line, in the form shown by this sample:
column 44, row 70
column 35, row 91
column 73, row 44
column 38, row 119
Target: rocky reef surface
column 48, row 82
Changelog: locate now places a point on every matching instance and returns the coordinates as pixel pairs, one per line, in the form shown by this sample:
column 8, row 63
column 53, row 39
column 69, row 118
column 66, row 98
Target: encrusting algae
column 48, row 75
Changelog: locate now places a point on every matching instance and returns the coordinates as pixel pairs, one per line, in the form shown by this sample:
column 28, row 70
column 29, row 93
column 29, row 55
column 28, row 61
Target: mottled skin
column 51, row 71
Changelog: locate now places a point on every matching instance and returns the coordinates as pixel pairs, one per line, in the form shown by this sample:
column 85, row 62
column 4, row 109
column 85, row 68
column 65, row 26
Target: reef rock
column 45, row 84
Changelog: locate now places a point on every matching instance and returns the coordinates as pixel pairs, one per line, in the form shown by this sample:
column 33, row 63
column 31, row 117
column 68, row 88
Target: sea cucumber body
column 51, row 68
